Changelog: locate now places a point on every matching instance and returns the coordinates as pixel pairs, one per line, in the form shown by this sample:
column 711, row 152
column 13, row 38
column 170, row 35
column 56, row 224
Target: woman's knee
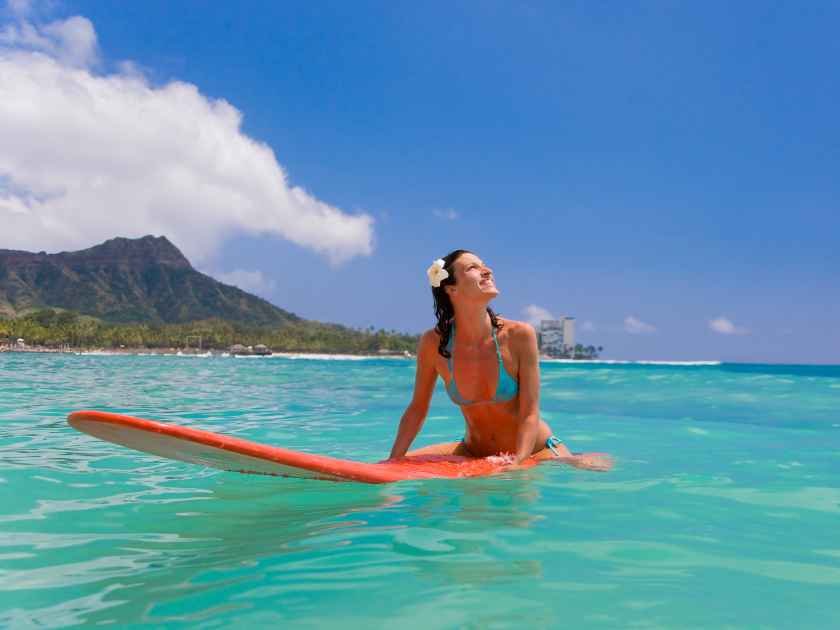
column 553, row 451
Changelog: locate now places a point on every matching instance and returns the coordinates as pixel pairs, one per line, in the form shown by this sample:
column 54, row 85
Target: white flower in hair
column 437, row 273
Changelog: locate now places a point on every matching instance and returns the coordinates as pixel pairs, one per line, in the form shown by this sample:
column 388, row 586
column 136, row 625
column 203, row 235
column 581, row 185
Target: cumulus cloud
column 71, row 41
column 448, row 214
column 724, row 326
column 86, row 156
column 250, row 281
column 535, row 314
column 635, row 326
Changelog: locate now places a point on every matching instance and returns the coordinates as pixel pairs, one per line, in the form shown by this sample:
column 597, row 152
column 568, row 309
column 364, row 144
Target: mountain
column 146, row 279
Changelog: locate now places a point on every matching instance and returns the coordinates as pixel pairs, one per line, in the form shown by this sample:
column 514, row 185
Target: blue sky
column 666, row 172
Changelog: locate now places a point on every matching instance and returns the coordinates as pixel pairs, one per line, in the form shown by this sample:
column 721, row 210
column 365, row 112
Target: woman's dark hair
column 444, row 311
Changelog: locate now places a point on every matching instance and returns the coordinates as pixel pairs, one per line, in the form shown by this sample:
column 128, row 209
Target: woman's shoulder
column 518, row 333
column 517, row 328
column 430, row 339
column 430, row 335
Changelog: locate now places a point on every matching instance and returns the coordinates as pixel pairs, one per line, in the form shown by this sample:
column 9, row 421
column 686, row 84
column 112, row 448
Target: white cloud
column 448, row 214
column 535, row 314
column 85, row 157
column 71, row 41
column 637, row 327
column 250, row 281
column 724, row 326
column 587, row 326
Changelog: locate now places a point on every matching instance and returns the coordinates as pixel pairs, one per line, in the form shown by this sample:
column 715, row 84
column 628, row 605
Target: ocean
column 721, row 511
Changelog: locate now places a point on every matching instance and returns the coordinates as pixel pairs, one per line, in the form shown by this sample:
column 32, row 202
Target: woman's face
column 473, row 279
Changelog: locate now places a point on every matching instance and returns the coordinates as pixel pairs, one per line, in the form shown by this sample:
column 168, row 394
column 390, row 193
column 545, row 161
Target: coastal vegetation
column 56, row 328
column 583, row 352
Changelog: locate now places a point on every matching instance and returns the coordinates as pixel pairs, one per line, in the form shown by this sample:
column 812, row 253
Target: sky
column 665, row 172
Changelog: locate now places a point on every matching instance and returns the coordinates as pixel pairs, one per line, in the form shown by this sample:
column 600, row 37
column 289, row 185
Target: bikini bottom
column 551, row 444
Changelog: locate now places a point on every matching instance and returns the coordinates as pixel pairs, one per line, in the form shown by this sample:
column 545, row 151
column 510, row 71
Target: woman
column 490, row 366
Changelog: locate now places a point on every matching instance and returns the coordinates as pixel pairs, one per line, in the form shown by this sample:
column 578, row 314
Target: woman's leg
column 589, row 461
column 445, row 448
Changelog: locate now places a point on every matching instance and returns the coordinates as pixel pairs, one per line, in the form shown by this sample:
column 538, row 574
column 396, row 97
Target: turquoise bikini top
column 506, row 387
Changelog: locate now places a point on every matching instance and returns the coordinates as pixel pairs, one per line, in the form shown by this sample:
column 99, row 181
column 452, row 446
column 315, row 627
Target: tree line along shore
column 60, row 329
column 52, row 330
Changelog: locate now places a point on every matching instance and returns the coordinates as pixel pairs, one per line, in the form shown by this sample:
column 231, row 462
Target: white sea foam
column 373, row 357
column 276, row 355
column 123, row 353
column 621, row 362
column 337, row 357
column 319, row 357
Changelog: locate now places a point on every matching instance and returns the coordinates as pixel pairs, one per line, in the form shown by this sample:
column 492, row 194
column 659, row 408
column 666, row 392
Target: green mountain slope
column 126, row 280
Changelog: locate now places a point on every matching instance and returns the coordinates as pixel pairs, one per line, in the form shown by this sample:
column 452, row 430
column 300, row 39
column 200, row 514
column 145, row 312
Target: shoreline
column 312, row 356
column 324, row 356
column 188, row 352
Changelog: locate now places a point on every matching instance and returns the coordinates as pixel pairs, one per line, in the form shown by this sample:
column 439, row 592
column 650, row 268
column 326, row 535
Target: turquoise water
column 722, row 509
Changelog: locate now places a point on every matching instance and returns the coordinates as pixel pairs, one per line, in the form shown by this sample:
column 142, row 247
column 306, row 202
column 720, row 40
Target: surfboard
column 234, row 454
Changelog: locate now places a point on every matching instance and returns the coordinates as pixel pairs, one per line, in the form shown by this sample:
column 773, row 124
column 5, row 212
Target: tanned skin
column 512, row 428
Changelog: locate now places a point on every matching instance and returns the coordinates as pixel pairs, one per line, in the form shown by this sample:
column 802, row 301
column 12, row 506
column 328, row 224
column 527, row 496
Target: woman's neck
column 473, row 323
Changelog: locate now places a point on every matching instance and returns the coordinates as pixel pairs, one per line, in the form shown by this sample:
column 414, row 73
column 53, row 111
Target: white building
column 557, row 336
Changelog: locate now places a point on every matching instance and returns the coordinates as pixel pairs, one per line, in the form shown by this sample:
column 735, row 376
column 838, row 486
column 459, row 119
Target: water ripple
column 725, row 485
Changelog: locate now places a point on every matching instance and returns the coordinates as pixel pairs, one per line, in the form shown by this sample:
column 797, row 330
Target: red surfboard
column 229, row 453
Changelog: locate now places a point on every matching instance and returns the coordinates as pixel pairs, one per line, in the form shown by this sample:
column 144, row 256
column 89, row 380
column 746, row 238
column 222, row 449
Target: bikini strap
column 498, row 350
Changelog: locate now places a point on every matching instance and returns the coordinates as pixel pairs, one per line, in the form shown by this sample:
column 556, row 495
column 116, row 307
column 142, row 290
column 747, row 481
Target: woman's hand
column 502, row 459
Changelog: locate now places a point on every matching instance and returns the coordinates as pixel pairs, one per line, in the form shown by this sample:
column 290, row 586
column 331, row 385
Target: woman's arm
column 524, row 343
column 424, row 387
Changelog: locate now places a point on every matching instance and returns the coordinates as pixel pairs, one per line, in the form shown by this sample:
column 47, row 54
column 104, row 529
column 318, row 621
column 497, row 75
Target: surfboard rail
column 230, row 453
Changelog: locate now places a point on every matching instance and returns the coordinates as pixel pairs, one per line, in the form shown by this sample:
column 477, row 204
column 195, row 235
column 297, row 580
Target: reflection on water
column 168, row 546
